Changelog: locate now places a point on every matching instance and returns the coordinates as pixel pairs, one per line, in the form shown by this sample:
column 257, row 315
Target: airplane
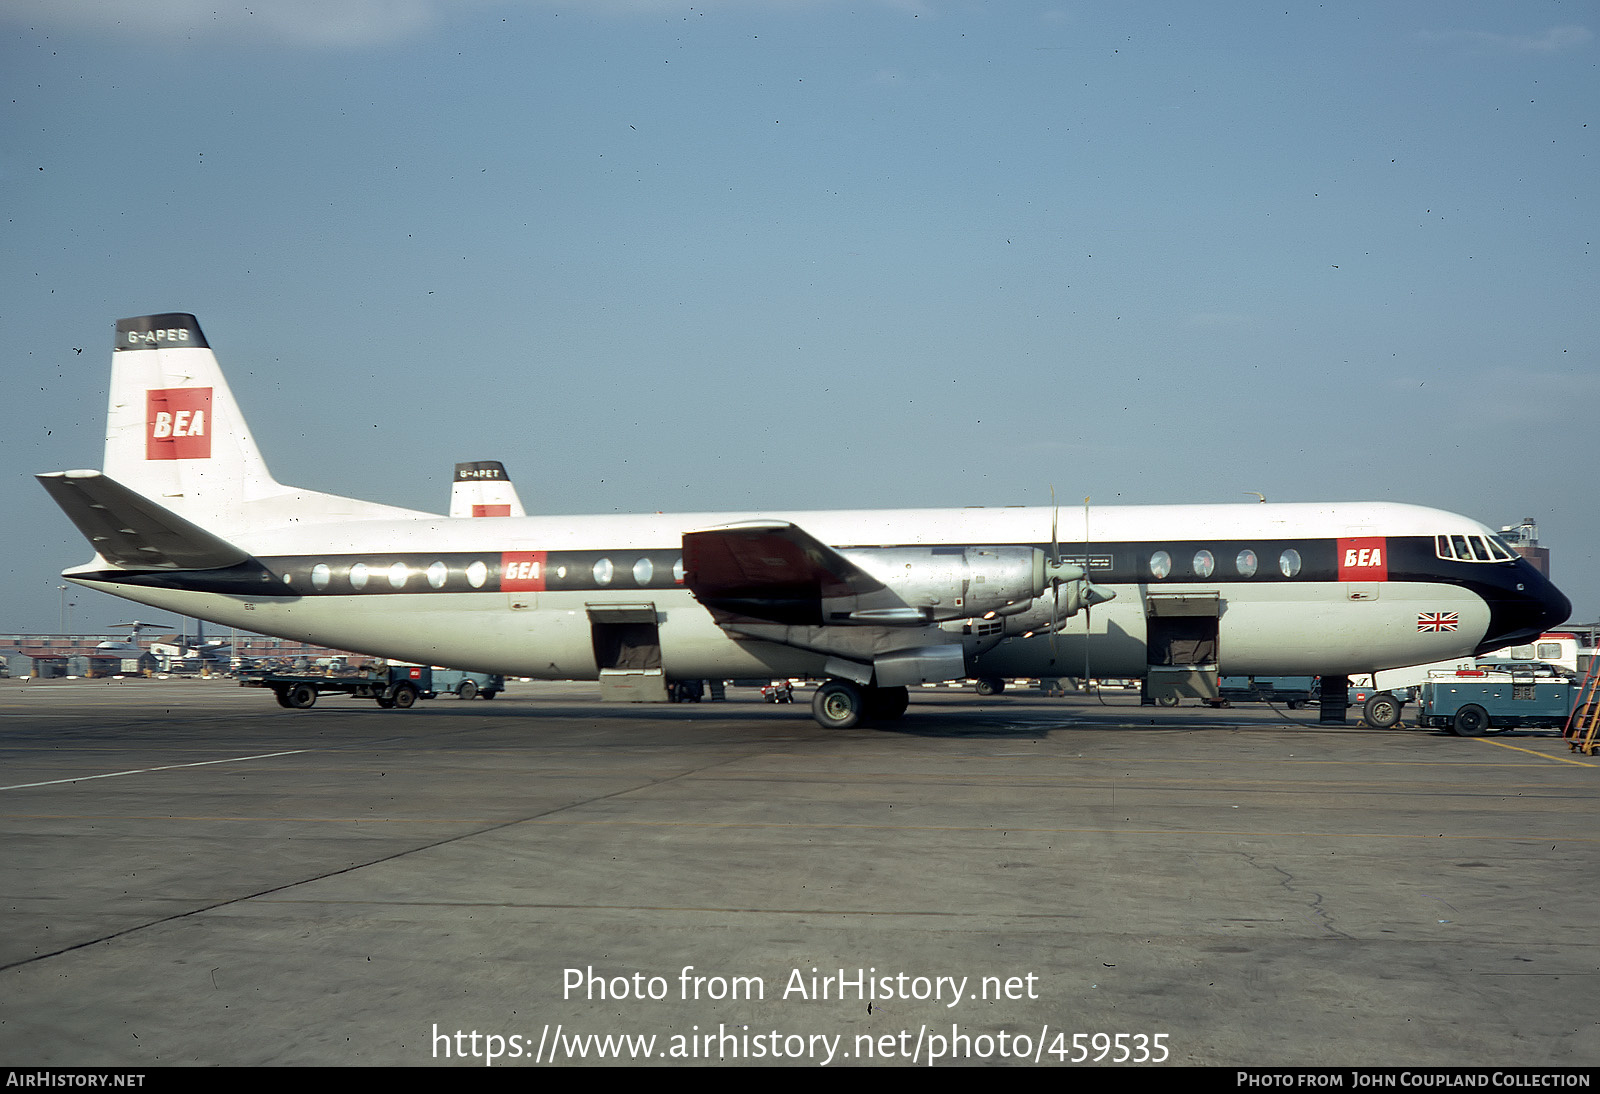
column 132, row 644
column 186, row 517
column 483, row 489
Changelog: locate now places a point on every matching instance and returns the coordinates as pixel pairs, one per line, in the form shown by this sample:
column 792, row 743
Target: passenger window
column 1160, row 565
column 1289, row 562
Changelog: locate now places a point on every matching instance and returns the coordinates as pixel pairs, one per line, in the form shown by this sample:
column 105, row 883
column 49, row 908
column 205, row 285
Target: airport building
column 56, row 655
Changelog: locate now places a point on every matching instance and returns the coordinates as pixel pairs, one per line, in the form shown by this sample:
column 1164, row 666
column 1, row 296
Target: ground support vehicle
column 390, row 686
column 1382, row 706
column 1471, row 702
column 686, row 691
column 1293, row 692
column 468, row 685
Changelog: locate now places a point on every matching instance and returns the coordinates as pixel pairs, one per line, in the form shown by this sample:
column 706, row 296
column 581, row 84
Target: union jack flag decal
column 1438, row 621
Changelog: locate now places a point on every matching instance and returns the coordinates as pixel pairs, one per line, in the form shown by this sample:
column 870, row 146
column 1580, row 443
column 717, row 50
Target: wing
column 769, row 570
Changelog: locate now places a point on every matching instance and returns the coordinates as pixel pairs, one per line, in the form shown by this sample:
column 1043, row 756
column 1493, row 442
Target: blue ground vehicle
column 1293, row 692
column 1470, row 702
column 468, row 685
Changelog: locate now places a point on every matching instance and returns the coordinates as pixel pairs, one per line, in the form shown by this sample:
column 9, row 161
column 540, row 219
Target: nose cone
column 1524, row 609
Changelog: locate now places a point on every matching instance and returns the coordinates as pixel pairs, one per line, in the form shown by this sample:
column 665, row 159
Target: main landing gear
column 841, row 704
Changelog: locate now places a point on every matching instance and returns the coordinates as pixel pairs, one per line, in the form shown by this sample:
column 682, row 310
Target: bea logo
column 1363, row 559
column 178, row 423
column 522, row 571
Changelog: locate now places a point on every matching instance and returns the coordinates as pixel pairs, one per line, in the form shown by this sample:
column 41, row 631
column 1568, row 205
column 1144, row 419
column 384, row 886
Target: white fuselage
column 1266, row 623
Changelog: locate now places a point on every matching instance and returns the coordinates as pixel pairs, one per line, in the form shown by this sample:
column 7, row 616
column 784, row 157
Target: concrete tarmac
column 190, row 874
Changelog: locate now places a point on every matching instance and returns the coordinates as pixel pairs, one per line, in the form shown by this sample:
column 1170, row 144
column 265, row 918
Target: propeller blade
column 1055, row 587
column 1088, row 597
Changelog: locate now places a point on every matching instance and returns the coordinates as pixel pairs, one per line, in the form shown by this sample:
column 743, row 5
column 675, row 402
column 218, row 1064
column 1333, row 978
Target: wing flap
column 132, row 531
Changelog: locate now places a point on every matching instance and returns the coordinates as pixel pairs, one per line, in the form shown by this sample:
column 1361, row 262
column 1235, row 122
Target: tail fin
column 483, row 489
column 175, row 435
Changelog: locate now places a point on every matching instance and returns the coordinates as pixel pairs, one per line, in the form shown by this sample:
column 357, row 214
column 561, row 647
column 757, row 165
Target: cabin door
column 1181, row 639
column 627, row 652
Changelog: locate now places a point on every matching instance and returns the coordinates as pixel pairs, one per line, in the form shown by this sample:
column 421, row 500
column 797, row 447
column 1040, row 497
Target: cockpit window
column 1474, row 548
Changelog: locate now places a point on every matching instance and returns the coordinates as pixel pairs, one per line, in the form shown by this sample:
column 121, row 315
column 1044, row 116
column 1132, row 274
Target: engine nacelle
column 943, row 583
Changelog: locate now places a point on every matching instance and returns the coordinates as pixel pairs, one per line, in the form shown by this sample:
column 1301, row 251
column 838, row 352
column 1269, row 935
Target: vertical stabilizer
column 483, row 489
column 175, row 435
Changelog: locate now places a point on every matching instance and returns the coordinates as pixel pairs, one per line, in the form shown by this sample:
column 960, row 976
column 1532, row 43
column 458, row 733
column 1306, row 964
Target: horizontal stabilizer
column 132, row 531
column 769, row 570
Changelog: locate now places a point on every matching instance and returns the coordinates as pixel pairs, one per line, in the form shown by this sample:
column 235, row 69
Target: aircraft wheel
column 1471, row 721
column 301, row 697
column 991, row 686
column 838, row 704
column 467, row 690
column 405, row 696
column 1382, row 711
column 887, row 704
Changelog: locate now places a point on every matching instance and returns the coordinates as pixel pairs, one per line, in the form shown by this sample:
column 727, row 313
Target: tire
column 282, row 695
column 1296, row 704
column 1471, row 721
column 384, row 701
column 490, row 694
column 405, row 696
column 1382, row 711
column 467, row 690
column 301, row 697
column 886, row 704
column 1168, row 701
column 838, row 704
column 991, row 686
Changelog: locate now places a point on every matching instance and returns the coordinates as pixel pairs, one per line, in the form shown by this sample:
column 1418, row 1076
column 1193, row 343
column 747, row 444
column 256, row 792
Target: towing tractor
column 1471, row 702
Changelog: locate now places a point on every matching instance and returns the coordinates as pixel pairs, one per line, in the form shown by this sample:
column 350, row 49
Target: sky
column 661, row 256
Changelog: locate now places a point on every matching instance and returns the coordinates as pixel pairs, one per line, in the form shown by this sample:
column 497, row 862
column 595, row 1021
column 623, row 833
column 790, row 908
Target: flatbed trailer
column 394, row 686
column 1471, row 702
column 1293, row 692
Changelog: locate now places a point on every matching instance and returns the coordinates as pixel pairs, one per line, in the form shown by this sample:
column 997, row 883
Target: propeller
column 1088, row 601
column 1081, row 591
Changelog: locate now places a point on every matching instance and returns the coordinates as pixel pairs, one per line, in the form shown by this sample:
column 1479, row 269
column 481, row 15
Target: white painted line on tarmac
column 147, row 770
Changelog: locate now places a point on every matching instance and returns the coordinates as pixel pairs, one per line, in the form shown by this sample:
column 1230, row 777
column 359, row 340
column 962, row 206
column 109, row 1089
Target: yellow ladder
column 1583, row 724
